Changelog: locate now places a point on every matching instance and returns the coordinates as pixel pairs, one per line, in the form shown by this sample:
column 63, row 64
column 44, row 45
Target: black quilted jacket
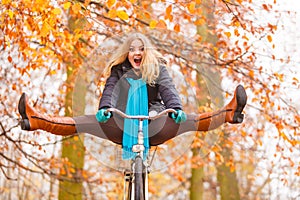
column 160, row 96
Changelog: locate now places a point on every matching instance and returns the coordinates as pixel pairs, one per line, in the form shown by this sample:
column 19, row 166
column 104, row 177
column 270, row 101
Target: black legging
column 160, row 130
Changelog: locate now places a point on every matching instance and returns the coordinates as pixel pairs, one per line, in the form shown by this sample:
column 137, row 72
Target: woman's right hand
column 102, row 115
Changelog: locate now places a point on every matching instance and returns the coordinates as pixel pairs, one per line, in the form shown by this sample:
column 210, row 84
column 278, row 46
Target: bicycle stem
column 141, row 137
column 139, row 147
column 140, row 133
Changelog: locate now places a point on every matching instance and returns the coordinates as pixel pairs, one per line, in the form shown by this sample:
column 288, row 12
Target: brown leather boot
column 231, row 113
column 32, row 120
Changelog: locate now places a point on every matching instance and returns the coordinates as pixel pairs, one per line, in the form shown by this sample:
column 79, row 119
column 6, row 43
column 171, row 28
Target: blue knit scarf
column 137, row 104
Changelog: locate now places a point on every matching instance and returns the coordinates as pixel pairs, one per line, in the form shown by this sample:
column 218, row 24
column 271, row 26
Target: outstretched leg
column 231, row 113
column 32, row 120
column 165, row 128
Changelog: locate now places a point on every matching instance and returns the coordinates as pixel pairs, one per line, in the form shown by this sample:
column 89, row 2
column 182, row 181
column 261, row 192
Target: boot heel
column 241, row 98
column 238, row 117
column 25, row 124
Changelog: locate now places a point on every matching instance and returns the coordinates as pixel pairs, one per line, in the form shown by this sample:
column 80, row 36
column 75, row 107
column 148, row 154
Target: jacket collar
column 126, row 66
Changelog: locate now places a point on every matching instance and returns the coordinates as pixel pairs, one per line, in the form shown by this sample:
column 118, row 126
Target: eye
column 131, row 49
column 142, row 49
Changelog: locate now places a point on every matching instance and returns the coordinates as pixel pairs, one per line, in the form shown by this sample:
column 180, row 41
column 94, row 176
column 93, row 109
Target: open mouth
column 137, row 61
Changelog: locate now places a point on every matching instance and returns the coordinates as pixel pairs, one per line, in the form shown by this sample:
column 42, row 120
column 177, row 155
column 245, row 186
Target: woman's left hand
column 179, row 117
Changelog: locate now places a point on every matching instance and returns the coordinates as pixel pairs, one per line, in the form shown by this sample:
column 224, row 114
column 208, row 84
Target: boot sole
column 241, row 97
column 25, row 125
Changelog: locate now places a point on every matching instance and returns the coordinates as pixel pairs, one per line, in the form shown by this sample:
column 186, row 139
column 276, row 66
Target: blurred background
column 55, row 51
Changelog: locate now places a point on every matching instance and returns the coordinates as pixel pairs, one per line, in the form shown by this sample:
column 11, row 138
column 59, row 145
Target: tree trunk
column 196, row 190
column 71, row 187
column 72, row 155
column 197, row 178
column 227, row 179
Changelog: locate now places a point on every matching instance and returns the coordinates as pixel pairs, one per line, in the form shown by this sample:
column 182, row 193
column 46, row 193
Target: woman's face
column 136, row 53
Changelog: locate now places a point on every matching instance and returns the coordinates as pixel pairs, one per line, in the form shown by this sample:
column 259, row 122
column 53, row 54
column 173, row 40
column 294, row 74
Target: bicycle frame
column 138, row 176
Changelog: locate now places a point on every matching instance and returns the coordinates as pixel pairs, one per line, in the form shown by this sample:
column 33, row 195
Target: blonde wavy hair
column 151, row 61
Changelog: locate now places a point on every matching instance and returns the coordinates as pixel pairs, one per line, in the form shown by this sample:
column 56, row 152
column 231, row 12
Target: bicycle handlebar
column 141, row 117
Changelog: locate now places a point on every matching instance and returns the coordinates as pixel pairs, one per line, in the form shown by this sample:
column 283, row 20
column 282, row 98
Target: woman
column 138, row 82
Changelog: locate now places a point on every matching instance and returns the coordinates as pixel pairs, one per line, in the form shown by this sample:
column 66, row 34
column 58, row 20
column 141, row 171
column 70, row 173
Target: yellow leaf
column 147, row 15
column 87, row 2
column 56, row 11
column 14, row 86
column 122, row 15
column 52, row 72
column 67, row 5
column 62, row 171
column 110, row 3
column 40, row 5
column 236, row 23
column 169, row 13
column 269, row 38
column 76, row 138
column 236, row 32
column 245, row 37
column 228, row 34
column 84, row 174
column 225, row 55
column 112, row 13
column 6, row 2
column 10, row 14
column 72, row 170
column 259, row 142
column 296, row 80
column 45, row 29
column 153, row 24
column 177, row 28
column 243, row 133
column 169, row 10
column 191, row 7
column 280, row 77
column 199, row 22
column 251, row 74
column 161, row 24
column 76, row 8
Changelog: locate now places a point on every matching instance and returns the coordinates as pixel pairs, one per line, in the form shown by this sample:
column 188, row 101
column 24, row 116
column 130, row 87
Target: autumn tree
column 39, row 47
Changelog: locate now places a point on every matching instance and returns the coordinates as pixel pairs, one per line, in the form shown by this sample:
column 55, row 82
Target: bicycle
column 137, row 177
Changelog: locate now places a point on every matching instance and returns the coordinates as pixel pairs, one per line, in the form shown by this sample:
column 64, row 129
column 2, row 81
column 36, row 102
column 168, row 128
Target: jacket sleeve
column 167, row 90
column 108, row 96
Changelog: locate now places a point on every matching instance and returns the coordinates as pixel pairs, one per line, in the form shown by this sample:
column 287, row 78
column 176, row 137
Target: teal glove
column 179, row 117
column 102, row 116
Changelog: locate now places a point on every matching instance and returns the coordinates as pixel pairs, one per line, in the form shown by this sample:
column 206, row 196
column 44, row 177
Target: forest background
column 55, row 51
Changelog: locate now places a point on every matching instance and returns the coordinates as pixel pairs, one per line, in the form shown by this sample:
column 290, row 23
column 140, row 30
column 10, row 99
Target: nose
column 137, row 51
